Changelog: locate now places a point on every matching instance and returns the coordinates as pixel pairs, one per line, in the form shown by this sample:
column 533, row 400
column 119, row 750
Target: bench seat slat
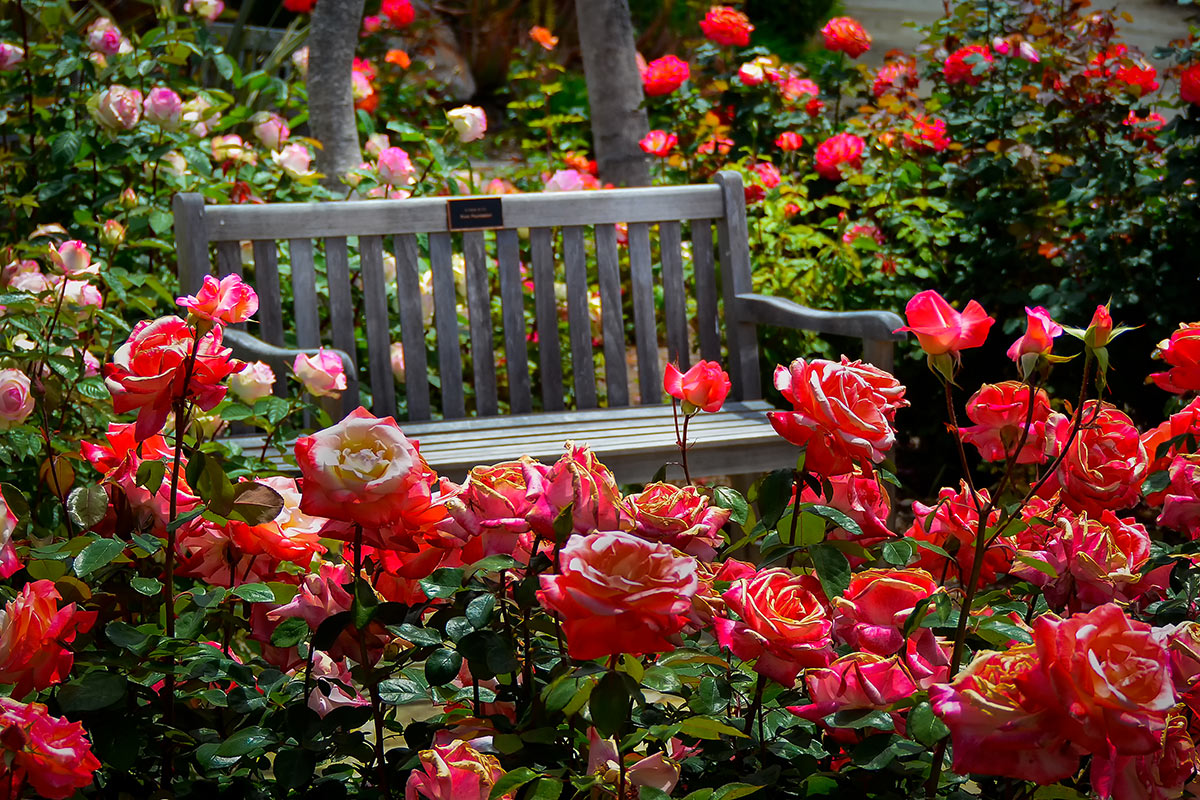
column 479, row 319
column 412, row 326
column 541, row 241
column 612, row 317
column 512, row 312
column 579, row 322
column 445, row 319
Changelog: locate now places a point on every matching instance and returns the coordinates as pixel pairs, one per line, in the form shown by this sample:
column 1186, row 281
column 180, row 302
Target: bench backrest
column 316, row 238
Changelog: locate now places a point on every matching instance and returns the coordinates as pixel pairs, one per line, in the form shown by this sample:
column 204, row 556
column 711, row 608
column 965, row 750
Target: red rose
column 664, row 75
column 999, row 411
column 836, row 151
column 705, row 385
column 895, row 74
column 33, row 635
column 928, row 134
column 228, row 301
column 1181, row 500
column 968, row 64
column 1189, row 84
column 50, row 755
column 618, row 593
column 148, row 372
column 658, row 143
column 726, row 26
column 788, row 141
column 855, row 681
column 399, row 13
column 782, row 622
column 1105, row 463
column 842, row 413
column 679, row 516
column 940, row 329
column 1100, row 328
column 1182, row 352
column 846, row 35
column 871, row 613
column 951, row 524
column 299, row 6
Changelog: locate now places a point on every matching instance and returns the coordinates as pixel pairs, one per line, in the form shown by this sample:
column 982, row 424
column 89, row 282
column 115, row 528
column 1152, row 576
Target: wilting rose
column 861, row 496
column 207, row 10
column 846, row 35
column 1181, row 500
column 664, row 75
column 1161, row 775
column 996, row 727
column 1038, row 339
column 1181, row 351
column 838, row 151
column 781, row 621
column 231, row 149
column 229, row 300
column 951, row 524
column 34, row 638
column 50, row 755
column 322, row 374
column 940, row 329
column 149, row 373
column 705, row 385
column 659, row 770
column 842, row 413
column 470, row 123
column 395, row 168
column 10, row 56
column 579, row 480
column 681, row 517
column 271, row 129
column 294, row 159
column 16, row 401
column 454, row 772
column 1105, row 463
column 658, row 143
column 963, row 65
column 254, row 382
column 855, row 681
column 618, row 593
column 870, row 615
column 726, row 26
column 117, row 108
column 164, row 108
column 365, row 471
column 999, row 411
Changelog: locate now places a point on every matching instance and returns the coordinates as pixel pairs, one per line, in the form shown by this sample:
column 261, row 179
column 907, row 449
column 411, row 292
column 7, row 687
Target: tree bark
column 332, row 40
column 614, row 90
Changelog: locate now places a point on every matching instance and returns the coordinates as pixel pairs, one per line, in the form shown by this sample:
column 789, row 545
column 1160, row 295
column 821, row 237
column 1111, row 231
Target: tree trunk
column 614, row 90
column 332, row 39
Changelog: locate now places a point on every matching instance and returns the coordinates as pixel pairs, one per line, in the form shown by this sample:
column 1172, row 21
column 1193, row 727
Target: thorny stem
column 797, row 482
column 756, row 704
column 681, row 439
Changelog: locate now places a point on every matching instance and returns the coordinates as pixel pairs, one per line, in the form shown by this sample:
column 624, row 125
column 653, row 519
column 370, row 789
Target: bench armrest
column 878, row 326
column 249, row 347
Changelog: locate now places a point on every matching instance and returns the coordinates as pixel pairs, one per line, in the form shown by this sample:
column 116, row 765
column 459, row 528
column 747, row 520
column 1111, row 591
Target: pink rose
column 999, row 411
column 9, row 561
column 271, row 129
column 490, row 511
column 397, row 361
column 454, row 772
column 112, row 233
column 329, row 677
column 680, row 517
column 951, row 524
column 861, row 496
column 294, row 159
column 658, row 143
column 74, row 259
column 35, row 635
column 1105, row 462
column 1181, row 351
column 1161, row 775
column 164, row 108
column 842, row 149
column 50, row 756
column 781, row 621
column 16, row 401
column 842, row 413
column 470, row 123
column 579, row 480
column 1038, row 339
column 103, row 36
column 855, row 681
column 394, row 167
column 618, row 593
column 254, row 382
column 207, row 10
column 565, row 180
column 705, row 385
column 117, row 108
column 870, row 615
column 10, row 56
column 659, row 771
column 940, row 329
column 322, row 375
column 229, row 300
column 664, row 75
column 364, row 470
column 968, row 64
column 1181, row 501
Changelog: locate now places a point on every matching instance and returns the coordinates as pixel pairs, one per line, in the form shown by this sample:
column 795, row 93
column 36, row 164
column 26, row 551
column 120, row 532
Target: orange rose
column 871, row 613
column 680, row 517
column 33, row 632
column 1105, row 463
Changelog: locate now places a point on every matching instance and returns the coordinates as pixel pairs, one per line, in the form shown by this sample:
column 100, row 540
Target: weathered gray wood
column 880, row 353
column 229, row 259
column 191, row 241
column 546, row 311
column 479, row 317
column 767, row 310
column 412, row 326
column 645, row 331
column 740, row 332
column 341, row 313
column 512, row 312
column 266, row 284
column 379, row 339
column 419, row 215
column 674, row 295
column 304, row 293
column 608, row 267
column 579, row 322
column 708, row 323
column 445, row 319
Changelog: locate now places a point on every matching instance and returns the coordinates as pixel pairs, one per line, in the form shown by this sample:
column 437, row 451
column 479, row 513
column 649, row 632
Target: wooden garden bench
column 485, row 415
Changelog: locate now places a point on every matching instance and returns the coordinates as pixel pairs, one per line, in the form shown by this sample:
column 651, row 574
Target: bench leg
column 880, row 353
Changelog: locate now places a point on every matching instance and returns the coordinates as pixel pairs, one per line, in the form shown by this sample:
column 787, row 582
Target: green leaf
column 289, row 633
column 838, row 518
column 609, row 704
column 293, row 768
column 65, row 148
column 898, row 552
column 184, row 519
column 150, row 587
column 859, row 718
column 651, row 793
column 479, row 610
column 511, row 780
column 1000, row 630
column 833, row 570
column 246, row 741
column 1156, row 482
column 545, row 788
column 732, row 791
column 122, row 634
column 774, row 496
column 254, row 593
column 564, row 523
column 96, row 555
column 924, row 726
column 92, row 692
column 401, row 691
column 1036, row 563
column 150, row 475
column 442, row 666
column 876, row 752
column 492, row 564
column 708, row 728
column 442, row 583
column 46, row 570
column 725, row 497
column 421, row 637
column 330, row 629
column 87, row 505
column 272, row 409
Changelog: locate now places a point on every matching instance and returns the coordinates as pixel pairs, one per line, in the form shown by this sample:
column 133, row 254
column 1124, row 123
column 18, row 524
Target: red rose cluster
column 727, row 27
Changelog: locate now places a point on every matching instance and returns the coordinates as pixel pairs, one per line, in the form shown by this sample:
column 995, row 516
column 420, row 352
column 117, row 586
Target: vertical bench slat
column 674, row 299
column 479, row 315
column 341, row 313
column 266, row 284
column 546, row 309
column 445, row 319
column 512, row 304
column 579, row 323
column 304, row 293
column 735, row 278
column 379, row 340
column 642, row 287
column 707, row 323
column 229, row 259
column 611, row 315
column 412, row 327
column 191, row 241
